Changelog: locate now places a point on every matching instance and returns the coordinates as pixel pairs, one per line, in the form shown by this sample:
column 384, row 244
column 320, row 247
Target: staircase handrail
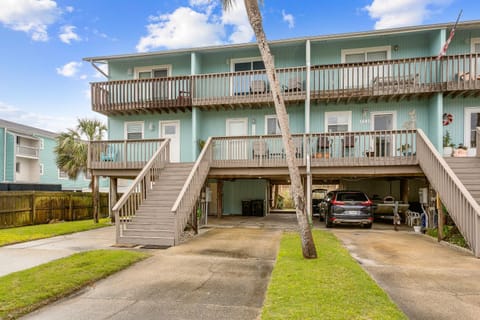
column 462, row 207
column 125, row 208
column 190, row 192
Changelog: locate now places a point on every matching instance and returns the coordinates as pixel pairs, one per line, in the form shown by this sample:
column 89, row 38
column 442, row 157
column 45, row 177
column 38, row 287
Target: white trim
column 273, row 116
column 473, row 42
column 126, row 123
column 344, row 52
column 240, row 60
column 379, row 113
column 348, row 113
column 466, row 124
column 137, row 70
column 42, row 169
column 229, row 120
column 60, row 177
column 177, row 133
column 41, row 144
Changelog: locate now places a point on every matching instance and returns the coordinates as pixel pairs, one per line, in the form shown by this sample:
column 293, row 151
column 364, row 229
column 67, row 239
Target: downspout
column 196, row 151
column 307, row 132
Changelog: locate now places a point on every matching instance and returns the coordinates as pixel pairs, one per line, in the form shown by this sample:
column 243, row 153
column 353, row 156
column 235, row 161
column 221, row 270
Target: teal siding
column 50, row 170
column 119, row 70
column 2, row 154
column 456, row 107
column 151, row 130
column 10, row 167
column 236, row 191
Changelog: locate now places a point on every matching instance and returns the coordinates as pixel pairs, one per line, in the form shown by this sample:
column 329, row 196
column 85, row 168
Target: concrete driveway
column 427, row 280
column 222, row 274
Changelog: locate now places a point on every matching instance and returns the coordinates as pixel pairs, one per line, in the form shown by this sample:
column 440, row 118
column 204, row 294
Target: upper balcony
column 27, row 151
column 456, row 75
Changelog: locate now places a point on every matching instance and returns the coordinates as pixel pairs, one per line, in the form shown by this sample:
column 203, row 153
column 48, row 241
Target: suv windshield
column 351, row 196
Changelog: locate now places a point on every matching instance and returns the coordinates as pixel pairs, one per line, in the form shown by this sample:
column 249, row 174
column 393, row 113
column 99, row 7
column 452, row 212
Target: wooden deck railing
column 393, row 147
column 186, row 200
column 247, row 86
column 121, row 154
column 461, row 206
column 138, row 191
column 151, row 95
column 423, row 75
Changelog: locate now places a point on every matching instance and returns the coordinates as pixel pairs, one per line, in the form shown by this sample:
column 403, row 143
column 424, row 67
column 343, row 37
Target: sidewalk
column 26, row 255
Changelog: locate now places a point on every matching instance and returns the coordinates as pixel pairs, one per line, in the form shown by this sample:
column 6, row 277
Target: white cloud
column 68, row 34
column 200, row 25
column 69, row 9
column 6, row 108
column 237, row 17
column 70, row 69
column 289, row 19
column 399, row 13
column 180, row 29
column 30, row 16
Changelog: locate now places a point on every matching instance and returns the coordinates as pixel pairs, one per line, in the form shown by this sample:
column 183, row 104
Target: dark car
column 347, row 207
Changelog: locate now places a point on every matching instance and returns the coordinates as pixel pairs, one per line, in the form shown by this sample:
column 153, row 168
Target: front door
column 236, row 149
column 472, row 121
column 384, row 143
column 171, row 130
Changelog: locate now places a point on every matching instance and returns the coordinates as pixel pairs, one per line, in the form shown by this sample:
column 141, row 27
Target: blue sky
column 44, row 82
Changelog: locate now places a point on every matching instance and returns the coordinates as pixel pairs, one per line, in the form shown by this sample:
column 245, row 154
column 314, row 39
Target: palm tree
column 72, row 153
column 255, row 18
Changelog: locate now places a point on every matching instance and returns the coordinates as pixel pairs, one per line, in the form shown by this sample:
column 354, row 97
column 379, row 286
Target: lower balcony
column 232, row 154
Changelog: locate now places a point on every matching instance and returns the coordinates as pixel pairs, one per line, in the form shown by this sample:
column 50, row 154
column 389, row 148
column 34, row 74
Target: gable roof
column 26, row 130
column 350, row 35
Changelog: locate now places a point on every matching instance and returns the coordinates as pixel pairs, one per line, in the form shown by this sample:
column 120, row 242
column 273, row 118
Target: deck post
column 219, row 198
column 441, row 218
column 113, row 196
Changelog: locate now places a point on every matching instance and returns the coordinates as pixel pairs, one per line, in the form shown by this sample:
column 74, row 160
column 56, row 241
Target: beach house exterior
column 27, row 157
column 367, row 110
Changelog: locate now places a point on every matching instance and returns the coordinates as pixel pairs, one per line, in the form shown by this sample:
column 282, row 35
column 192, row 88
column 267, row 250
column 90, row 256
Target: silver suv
column 347, row 207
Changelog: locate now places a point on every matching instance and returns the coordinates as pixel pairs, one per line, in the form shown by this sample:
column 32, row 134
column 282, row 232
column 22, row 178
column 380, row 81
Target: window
column 248, row 82
column 153, row 72
column 17, row 140
column 339, row 121
column 475, row 45
column 271, row 124
column 62, row 175
column 41, row 169
column 134, row 130
column 365, row 54
column 17, row 167
column 41, row 144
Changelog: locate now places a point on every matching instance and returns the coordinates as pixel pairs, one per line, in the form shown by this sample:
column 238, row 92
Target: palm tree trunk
column 255, row 18
column 95, row 195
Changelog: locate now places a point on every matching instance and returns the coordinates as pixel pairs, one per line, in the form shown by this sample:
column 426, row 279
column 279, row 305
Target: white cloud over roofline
column 400, row 13
column 202, row 24
column 67, row 34
column 69, row 69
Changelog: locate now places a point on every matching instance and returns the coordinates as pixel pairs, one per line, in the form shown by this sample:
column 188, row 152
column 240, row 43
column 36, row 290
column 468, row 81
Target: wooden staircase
column 154, row 222
column 467, row 170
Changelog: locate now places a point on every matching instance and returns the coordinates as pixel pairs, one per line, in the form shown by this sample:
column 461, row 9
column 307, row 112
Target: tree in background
column 72, row 153
column 255, row 18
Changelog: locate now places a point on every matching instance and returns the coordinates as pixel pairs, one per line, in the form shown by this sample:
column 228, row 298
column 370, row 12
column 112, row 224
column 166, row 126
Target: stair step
column 150, row 226
column 156, row 241
column 148, row 233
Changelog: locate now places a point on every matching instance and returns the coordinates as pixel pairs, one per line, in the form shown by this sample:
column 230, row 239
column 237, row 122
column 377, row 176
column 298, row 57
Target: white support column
column 307, row 131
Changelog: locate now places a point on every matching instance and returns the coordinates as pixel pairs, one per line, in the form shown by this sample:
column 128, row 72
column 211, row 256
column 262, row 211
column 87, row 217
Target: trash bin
column 246, row 208
column 257, row 208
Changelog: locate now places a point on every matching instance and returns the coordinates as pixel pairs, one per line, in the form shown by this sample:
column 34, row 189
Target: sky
column 45, row 84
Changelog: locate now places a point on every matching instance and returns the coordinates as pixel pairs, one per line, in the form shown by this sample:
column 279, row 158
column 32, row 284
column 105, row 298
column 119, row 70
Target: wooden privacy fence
column 32, row 207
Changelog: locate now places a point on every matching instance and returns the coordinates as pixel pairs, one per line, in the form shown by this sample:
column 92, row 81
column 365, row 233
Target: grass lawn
column 22, row 234
column 24, row 291
column 334, row 286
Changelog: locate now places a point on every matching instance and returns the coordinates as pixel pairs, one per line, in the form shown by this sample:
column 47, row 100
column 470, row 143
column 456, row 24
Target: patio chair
column 260, row 149
column 258, row 86
column 109, row 154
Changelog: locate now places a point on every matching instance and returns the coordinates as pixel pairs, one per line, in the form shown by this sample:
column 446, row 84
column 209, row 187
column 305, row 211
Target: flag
column 450, row 37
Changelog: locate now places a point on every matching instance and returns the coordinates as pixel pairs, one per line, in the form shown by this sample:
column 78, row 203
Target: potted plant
column 448, row 146
column 461, row 151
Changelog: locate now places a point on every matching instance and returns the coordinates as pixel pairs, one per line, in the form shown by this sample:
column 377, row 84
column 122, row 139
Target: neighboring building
column 355, row 102
column 27, row 156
